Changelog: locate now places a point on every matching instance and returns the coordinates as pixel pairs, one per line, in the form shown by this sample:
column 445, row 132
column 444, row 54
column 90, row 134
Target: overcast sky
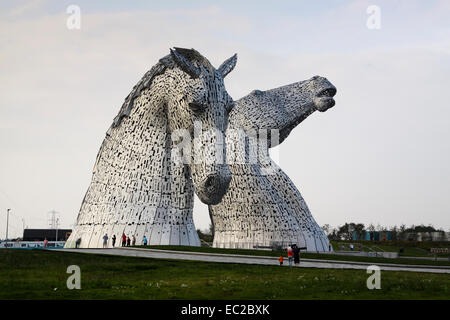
column 380, row 156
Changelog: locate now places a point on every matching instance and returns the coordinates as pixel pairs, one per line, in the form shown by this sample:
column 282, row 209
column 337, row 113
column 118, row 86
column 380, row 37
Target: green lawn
column 410, row 248
column 34, row 274
column 303, row 255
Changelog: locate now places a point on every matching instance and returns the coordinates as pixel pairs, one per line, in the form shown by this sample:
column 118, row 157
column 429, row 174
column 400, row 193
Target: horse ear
column 228, row 65
column 184, row 64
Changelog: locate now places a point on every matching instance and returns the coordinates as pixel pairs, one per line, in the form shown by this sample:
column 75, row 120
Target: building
column 428, row 236
column 407, row 236
column 372, row 235
column 42, row 234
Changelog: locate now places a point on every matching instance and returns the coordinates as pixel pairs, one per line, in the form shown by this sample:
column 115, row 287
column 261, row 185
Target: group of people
column 126, row 240
column 351, row 247
column 293, row 253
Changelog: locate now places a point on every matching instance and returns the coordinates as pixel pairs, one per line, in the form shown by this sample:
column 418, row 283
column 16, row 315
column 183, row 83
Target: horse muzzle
column 212, row 189
column 323, row 100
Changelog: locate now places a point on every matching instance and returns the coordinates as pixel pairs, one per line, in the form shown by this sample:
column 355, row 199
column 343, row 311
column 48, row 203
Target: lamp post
column 56, row 237
column 7, row 222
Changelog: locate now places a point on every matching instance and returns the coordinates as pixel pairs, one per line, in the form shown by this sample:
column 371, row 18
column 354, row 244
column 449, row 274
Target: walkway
column 263, row 260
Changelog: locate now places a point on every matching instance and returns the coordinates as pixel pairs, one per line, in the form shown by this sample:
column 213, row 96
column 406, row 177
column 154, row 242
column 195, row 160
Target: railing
column 31, row 244
column 274, row 245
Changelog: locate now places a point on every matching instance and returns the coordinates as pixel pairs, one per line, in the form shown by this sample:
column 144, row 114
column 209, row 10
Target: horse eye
column 197, row 107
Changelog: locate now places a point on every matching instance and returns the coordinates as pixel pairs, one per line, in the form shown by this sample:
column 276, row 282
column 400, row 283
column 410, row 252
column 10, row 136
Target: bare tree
column 326, row 228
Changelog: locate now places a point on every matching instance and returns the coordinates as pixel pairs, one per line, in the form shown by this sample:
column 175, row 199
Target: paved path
column 264, row 260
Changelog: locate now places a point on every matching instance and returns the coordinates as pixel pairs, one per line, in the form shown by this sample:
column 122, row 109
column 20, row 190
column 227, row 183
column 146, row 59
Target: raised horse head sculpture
column 263, row 208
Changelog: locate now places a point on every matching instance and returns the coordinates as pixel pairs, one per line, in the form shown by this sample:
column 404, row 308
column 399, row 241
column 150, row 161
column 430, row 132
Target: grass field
column 303, row 255
column 41, row 274
column 410, row 248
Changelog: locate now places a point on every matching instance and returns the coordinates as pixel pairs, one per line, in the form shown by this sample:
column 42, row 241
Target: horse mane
column 163, row 64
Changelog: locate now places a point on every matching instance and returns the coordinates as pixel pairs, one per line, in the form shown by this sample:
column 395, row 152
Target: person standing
column 128, row 241
column 113, row 240
column 105, row 241
column 280, row 259
column 134, row 240
column 77, row 243
column 296, row 251
column 144, row 240
column 289, row 253
column 124, row 240
column 45, row 243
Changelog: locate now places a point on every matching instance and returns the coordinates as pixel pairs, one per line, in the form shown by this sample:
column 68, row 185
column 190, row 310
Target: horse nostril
column 328, row 92
column 213, row 188
column 216, row 183
column 211, row 182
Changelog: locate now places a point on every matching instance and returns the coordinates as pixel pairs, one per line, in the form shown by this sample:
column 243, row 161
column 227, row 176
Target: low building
column 407, row 236
column 372, row 235
column 428, row 236
column 49, row 234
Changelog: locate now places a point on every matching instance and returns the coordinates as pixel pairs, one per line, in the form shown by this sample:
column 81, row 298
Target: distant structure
column 406, row 236
column 372, row 235
column 49, row 234
column 146, row 171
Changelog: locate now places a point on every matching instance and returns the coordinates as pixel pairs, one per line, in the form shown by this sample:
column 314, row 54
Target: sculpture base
column 312, row 243
column 167, row 234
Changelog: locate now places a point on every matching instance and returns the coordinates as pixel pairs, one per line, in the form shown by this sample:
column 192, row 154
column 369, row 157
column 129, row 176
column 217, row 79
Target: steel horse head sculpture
column 141, row 188
column 136, row 188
